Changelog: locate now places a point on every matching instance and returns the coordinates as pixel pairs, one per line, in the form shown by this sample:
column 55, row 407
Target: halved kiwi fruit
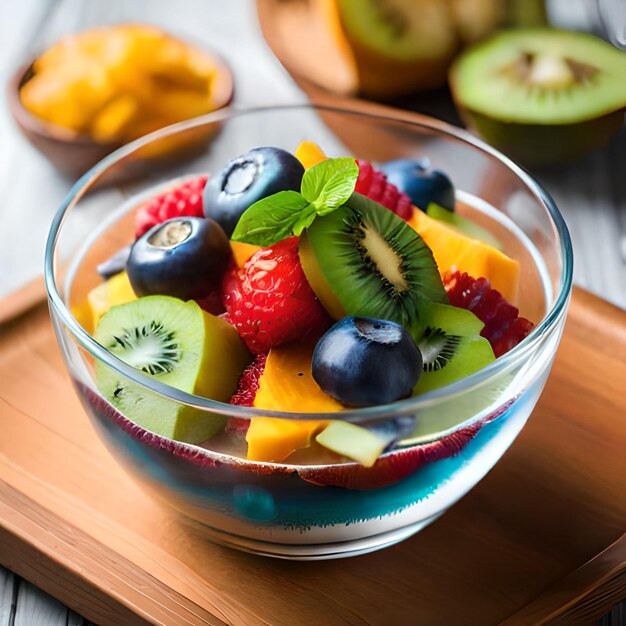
column 180, row 345
column 400, row 46
column 451, row 347
column 362, row 259
column 400, row 29
column 541, row 95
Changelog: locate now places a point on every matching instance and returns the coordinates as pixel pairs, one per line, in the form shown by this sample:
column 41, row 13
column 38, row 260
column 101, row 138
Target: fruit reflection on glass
column 410, row 288
column 311, row 356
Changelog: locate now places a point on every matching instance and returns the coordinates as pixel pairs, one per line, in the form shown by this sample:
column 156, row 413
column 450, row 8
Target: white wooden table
column 591, row 194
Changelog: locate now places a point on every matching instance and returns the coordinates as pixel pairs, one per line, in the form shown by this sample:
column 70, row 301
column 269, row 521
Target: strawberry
column 269, row 300
column 504, row 329
column 374, row 185
column 183, row 200
column 212, row 302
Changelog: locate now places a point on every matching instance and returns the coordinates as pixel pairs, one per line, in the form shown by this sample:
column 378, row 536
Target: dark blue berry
column 393, row 430
column 363, row 361
column 115, row 264
column 250, row 177
column 184, row 257
column 421, row 183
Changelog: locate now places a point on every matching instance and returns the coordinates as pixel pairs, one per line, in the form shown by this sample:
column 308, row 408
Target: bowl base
column 313, row 552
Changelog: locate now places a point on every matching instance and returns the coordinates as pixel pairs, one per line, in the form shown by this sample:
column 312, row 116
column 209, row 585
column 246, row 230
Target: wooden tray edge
column 35, row 557
column 583, row 596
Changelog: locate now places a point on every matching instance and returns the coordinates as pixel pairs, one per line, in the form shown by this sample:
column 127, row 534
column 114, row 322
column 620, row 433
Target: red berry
column 269, row 300
column 212, row 303
column 503, row 328
column 246, row 390
column 184, row 200
column 374, row 185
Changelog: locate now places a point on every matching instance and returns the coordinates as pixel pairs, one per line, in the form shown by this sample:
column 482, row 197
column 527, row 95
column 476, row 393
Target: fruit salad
column 304, row 283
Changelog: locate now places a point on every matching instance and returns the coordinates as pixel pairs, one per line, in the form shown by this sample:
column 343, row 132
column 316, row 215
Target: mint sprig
column 325, row 187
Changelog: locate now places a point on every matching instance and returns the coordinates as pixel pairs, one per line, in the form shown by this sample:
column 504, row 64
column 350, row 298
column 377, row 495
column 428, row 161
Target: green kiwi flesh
column 451, row 319
column 362, row 259
column 451, row 347
column 178, row 344
column 541, row 95
column 400, row 29
column 463, row 225
column 353, row 442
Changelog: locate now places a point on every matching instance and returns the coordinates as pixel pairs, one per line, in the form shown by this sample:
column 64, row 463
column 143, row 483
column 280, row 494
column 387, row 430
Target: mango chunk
column 114, row 119
column 117, row 82
column 242, row 251
column 116, row 290
column 273, row 440
column 309, row 154
column 287, row 385
column 454, row 250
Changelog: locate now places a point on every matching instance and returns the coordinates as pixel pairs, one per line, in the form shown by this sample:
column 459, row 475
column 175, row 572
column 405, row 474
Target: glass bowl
column 313, row 511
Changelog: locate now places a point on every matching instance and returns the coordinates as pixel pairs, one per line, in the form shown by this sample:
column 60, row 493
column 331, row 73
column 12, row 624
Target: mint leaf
column 330, row 183
column 270, row 219
column 307, row 217
column 325, row 187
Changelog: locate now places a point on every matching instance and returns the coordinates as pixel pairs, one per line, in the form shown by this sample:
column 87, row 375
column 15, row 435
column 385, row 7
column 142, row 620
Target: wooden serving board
column 540, row 539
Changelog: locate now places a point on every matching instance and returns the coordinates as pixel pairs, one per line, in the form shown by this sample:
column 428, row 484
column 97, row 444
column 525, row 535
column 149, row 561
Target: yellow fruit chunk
column 454, row 250
column 273, row 440
column 242, row 251
column 287, row 385
column 117, row 82
column 114, row 119
column 309, row 154
column 116, row 290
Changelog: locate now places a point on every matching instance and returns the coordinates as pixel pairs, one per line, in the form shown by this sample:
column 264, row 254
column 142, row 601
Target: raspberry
column 374, row 185
column 503, row 328
column 184, row 200
column 246, row 390
column 269, row 300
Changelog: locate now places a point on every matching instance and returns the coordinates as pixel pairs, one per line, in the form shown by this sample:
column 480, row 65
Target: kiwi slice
column 451, row 347
column 451, row 319
column 178, row 344
column 463, row 225
column 362, row 259
column 400, row 29
column 542, row 95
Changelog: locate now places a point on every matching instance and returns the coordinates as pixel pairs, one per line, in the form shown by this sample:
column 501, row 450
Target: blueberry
column 254, row 175
column 184, row 257
column 421, row 183
column 363, row 361
column 393, row 430
column 115, row 264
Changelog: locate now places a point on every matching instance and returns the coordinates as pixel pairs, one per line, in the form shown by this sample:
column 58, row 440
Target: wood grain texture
column 535, row 535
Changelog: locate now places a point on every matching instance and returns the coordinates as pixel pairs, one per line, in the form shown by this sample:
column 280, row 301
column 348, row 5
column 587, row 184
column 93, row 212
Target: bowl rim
column 32, row 123
column 361, row 415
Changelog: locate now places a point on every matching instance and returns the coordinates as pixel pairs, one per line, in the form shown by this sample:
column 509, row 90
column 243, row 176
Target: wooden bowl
column 73, row 153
